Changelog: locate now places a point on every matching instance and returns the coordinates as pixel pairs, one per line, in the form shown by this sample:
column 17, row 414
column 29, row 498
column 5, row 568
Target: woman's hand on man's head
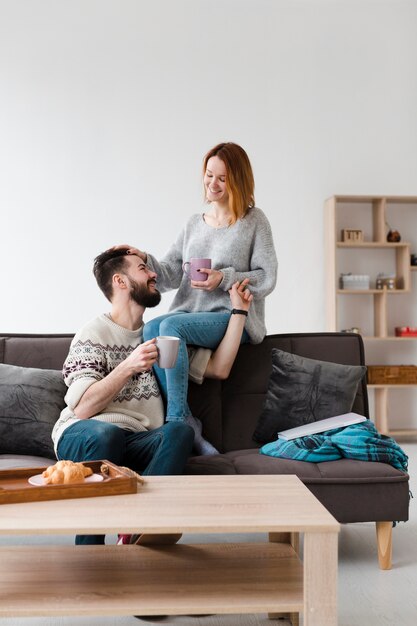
column 131, row 250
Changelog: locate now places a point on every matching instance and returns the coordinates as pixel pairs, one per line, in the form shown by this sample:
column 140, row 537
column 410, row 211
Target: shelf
column 413, row 268
column 371, row 199
column 366, row 292
column 132, row 580
column 371, row 244
column 398, row 386
column 389, row 338
column 403, row 432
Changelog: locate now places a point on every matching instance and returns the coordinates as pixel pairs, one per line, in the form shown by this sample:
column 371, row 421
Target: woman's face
column 215, row 181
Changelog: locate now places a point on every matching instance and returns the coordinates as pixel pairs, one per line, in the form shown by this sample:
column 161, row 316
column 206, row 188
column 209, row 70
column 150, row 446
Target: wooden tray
column 14, row 485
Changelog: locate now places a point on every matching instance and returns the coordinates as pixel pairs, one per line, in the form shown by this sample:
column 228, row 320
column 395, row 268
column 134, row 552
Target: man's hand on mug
column 240, row 295
column 214, row 278
column 143, row 357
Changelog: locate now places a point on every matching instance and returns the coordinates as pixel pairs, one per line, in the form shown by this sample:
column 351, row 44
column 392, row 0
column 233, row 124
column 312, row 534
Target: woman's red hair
column 240, row 183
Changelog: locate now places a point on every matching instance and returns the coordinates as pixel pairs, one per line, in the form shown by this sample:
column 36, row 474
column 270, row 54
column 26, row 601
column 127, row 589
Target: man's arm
column 222, row 359
column 102, row 392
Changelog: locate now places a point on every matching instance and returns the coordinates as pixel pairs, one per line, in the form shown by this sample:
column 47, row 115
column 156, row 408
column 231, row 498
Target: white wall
column 107, row 107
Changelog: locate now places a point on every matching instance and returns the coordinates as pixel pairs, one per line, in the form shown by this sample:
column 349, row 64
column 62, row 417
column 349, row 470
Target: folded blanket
column 358, row 441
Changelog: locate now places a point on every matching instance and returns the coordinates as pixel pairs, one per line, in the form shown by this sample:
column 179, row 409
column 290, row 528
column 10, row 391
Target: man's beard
column 143, row 296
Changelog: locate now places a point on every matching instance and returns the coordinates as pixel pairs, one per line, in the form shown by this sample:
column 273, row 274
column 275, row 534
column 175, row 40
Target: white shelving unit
column 375, row 311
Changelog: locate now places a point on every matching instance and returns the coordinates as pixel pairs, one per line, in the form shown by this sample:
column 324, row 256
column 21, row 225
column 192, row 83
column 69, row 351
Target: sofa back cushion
column 44, row 351
column 301, row 391
column 228, row 409
column 243, row 393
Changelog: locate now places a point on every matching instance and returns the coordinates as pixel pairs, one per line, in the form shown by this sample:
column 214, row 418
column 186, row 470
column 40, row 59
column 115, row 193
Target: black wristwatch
column 239, row 312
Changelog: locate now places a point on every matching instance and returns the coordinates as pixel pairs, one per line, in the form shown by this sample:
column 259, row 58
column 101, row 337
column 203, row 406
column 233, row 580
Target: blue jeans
column 160, row 452
column 199, row 329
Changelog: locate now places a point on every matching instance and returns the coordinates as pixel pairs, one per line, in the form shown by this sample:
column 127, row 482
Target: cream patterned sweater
column 94, row 352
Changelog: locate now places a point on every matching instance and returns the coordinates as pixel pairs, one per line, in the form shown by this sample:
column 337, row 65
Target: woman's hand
column 131, row 250
column 240, row 296
column 214, row 279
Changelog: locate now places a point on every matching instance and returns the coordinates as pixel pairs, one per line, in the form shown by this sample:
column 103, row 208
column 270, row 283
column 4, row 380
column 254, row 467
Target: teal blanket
column 358, row 441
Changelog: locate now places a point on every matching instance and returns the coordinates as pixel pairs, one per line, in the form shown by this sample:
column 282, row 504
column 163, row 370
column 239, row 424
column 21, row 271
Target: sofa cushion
column 31, row 400
column 251, row 462
column 302, row 390
column 12, row 461
column 353, row 491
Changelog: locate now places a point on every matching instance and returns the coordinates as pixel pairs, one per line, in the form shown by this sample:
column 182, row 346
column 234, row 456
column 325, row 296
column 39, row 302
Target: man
column 114, row 406
column 109, row 374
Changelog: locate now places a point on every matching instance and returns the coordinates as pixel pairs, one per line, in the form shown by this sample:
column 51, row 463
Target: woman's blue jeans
column 199, row 329
column 160, row 452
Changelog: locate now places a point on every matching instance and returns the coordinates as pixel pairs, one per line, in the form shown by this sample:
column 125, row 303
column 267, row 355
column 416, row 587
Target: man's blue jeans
column 160, row 452
column 199, row 329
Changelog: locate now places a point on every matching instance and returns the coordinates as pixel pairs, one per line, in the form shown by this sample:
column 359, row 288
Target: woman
column 237, row 237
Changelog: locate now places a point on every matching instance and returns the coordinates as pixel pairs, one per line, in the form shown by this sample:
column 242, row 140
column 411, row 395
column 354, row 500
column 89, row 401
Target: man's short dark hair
column 106, row 265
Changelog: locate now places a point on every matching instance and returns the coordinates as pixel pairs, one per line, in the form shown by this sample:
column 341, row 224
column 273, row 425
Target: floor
column 367, row 595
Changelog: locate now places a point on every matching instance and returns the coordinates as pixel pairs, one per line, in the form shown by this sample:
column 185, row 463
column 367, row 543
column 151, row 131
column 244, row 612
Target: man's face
column 142, row 280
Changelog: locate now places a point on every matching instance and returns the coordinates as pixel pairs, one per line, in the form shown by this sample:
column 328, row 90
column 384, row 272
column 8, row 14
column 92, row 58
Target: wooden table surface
column 214, row 504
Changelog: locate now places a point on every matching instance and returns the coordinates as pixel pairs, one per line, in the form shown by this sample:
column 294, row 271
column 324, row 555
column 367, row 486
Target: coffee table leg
column 294, row 540
column 320, row 579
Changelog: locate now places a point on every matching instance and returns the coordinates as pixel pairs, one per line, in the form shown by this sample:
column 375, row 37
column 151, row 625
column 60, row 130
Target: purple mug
column 194, row 266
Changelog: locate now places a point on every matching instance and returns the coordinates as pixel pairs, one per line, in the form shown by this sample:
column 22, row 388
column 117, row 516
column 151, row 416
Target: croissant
column 65, row 472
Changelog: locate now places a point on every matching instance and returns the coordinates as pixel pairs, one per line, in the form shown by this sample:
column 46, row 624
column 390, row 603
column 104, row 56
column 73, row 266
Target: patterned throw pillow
column 302, row 390
column 31, row 401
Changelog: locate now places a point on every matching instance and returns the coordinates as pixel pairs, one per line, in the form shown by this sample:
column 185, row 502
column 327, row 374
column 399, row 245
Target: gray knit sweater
column 243, row 250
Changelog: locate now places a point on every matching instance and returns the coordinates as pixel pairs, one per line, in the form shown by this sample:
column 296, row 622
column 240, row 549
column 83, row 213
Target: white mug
column 167, row 351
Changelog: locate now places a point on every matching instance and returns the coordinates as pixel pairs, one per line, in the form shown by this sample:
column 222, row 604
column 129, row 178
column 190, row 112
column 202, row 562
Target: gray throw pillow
column 30, row 403
column 302, row 390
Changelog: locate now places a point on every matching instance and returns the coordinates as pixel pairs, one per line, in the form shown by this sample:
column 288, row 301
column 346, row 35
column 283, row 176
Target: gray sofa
column 353, row 491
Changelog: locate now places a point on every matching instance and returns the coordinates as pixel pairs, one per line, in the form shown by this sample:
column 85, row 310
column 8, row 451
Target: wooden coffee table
column 177, row 579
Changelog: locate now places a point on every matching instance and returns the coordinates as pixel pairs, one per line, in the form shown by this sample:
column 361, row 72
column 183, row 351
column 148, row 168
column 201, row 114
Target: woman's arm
column 222, row 359
column 169, row 270
column 263, row 263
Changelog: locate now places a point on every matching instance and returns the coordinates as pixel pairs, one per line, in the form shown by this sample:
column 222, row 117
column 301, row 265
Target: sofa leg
column 384, row 542
column 294, row 540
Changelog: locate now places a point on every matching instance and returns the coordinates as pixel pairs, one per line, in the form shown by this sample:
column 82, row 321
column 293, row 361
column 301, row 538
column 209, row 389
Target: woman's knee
column 203, row 329
column 171, row 326
column 151, row 329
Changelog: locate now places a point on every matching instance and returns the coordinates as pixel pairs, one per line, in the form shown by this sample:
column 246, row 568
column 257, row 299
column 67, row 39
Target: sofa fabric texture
column 302, row 390
column 353, row 491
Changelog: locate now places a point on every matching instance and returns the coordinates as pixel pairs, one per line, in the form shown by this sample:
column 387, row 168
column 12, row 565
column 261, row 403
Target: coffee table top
column 170, row 504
